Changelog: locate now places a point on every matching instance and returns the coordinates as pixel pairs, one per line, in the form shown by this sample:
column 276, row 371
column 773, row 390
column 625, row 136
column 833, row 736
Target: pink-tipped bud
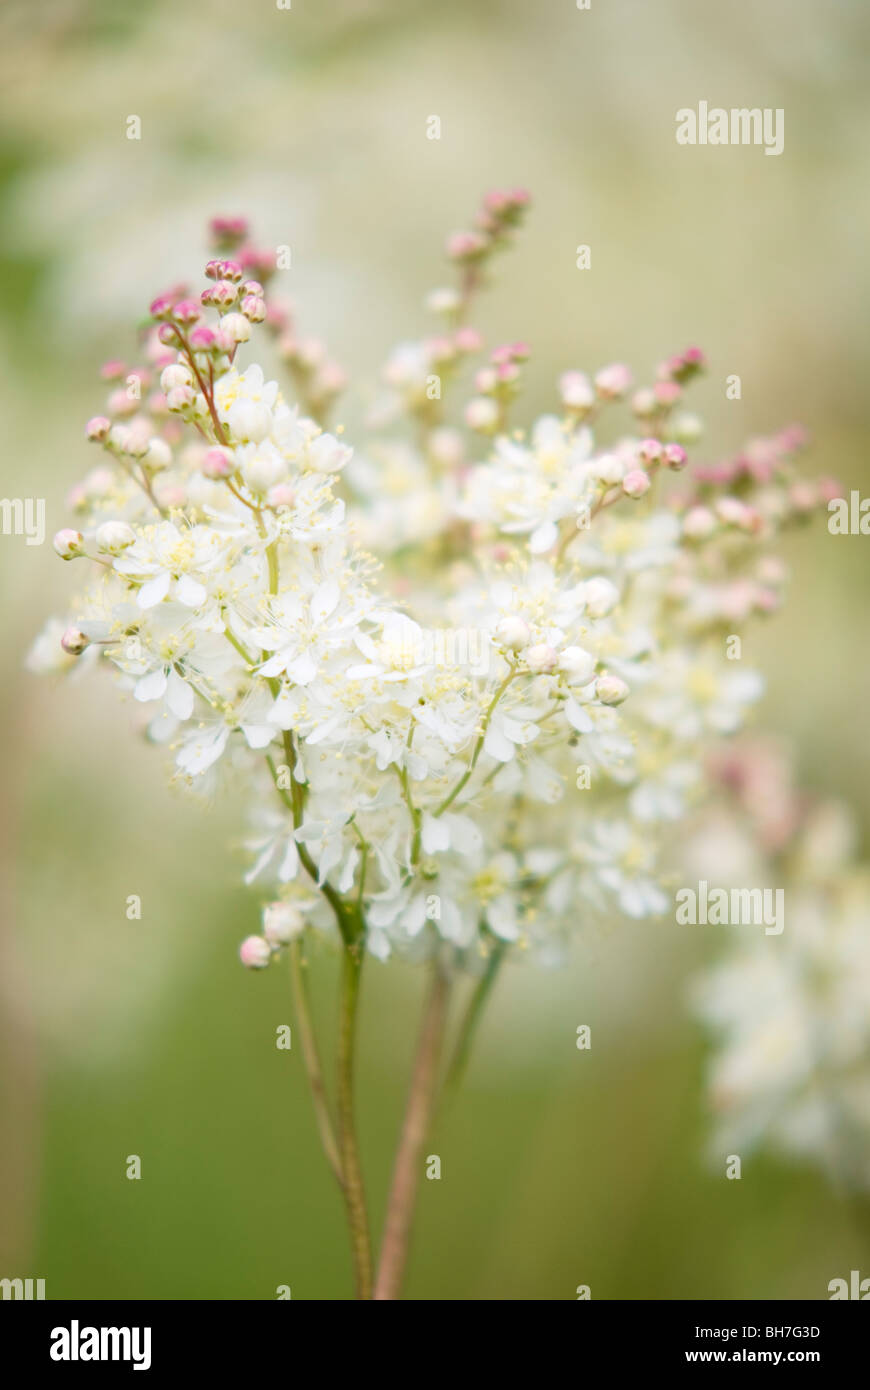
column 281, row 495
column 485, row 380
column 542, row 658
column 186, row 311
column 232, row 271
column 675, row 456
column 643, row 403
column 220, row 295
column 612, row 382
column 180, row 398
column 255, row 952
column 636, row 483
column 168, row 334
column 112, row 371
column 98, row 428
column 699, row 523
column 69, row 544
column 667, row 393
column 650, row 450
column 162, row 306
column 466, row 246
column 203, row 338
column 74, row 641
column 575, row 391
column 253, row 308
column 228, row 231
column 467, row 340
column 217, row 463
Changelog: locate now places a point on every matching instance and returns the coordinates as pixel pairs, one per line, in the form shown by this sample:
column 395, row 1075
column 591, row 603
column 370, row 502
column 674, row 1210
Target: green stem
column 478, row 747
column 471, row 1020
column 354, row 1192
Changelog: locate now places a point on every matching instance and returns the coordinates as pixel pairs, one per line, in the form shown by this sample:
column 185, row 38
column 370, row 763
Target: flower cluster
column 789, row 1015
column 464, row 675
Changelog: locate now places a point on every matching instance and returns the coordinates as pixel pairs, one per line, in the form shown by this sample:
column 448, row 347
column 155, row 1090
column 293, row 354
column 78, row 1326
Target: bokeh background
column 559, row 1167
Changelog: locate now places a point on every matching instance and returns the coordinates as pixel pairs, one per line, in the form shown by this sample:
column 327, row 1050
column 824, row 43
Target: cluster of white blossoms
column 790, row 1067
column 464, row 676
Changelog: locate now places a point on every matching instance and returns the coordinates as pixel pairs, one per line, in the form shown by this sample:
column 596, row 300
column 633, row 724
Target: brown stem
column 312, row 1063
column 418, row 1114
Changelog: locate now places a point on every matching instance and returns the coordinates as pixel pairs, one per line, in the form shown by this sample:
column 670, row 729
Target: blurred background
column 559, row 1167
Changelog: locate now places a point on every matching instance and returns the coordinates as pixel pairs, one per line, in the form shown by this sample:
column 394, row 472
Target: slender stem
column 354, row 1192
column 481, row 738
column 312, row 1062
column 471, row 1020
column 415, row 1126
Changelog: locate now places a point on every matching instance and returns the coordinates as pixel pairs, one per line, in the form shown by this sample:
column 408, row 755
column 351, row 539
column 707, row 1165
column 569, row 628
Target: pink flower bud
column 466, row 246
column 228, row 231
column 575, row 390
column 162, row 306
column 69, row 544
column 231, row 270
column 613, row 381
column 186, row 311
column 667, row 393
column 542, row 658
column 180, row 398
column 699, row 523
column 636, row 483
column 675, row 456
column 112, row 371
column 217, row 463
column 253, row 308
column 98, row 428
column 281, row 495
column 255, row 952
column 74, row 642
column 220, row 295
column 203, row 338
column 650, row 450
column 643, row 403
column 467, row 340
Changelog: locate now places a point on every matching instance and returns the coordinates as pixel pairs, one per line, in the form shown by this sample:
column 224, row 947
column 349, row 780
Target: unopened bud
column 98, row 428
column 542, row 658
column 282, row 922
column 611, row 690
column 68, row 543
column 636, row 483
column 74, row 641
column 255, row 952
column 114, row 536
column 513, row 632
